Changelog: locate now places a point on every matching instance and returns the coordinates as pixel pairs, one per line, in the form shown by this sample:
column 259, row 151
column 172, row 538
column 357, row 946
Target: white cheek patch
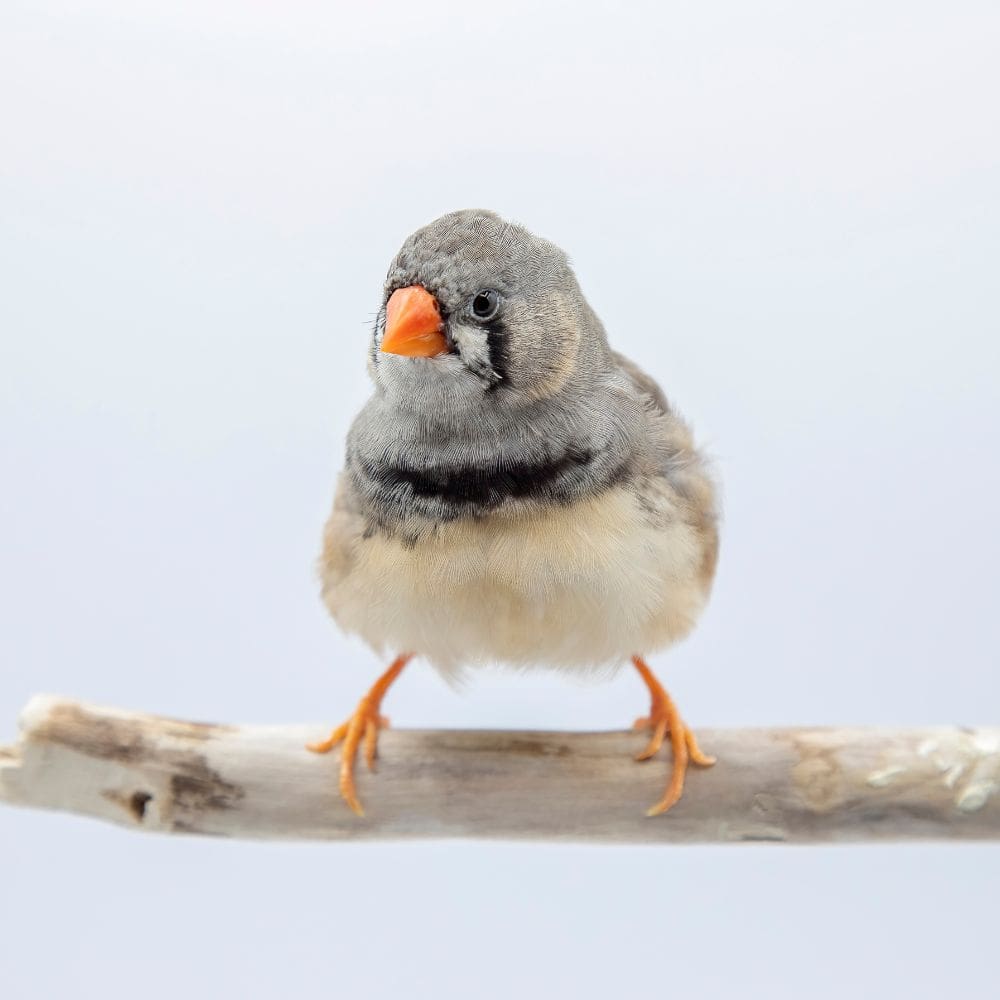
column 474, row 348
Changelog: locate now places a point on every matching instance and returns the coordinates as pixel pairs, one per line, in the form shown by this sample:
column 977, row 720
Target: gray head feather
column 529, row 408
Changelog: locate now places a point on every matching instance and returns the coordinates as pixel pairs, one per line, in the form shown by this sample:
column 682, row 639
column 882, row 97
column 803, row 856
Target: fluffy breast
column 578, row 586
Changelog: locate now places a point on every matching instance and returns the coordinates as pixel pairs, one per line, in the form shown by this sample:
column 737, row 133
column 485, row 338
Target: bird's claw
column 664, row 719
column 362, row 726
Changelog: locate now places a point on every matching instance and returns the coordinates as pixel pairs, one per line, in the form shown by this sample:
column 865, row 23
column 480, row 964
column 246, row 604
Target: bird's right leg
column 364, row 724
column 663, row 720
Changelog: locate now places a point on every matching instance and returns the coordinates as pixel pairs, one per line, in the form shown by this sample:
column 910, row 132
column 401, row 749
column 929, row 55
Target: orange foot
column 364, row 724
column 663, row 718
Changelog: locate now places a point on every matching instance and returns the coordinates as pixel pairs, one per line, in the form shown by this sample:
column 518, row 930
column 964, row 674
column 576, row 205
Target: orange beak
column 413, row 324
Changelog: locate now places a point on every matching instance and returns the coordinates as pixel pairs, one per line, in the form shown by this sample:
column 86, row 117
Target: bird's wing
column 679, row 461
column 344, row 527
column 644, row 383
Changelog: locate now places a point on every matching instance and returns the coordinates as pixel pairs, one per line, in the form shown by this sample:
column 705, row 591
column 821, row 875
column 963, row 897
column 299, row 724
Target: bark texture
column 794, row 785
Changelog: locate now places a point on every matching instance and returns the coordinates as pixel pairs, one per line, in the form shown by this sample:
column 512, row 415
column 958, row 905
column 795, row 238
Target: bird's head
column 495, row 385
column 476, row 308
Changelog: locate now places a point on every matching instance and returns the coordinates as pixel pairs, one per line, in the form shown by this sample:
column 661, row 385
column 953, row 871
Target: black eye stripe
column 496, row 340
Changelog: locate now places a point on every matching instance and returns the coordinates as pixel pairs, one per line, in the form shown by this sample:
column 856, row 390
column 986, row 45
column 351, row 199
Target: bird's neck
column 441, row 463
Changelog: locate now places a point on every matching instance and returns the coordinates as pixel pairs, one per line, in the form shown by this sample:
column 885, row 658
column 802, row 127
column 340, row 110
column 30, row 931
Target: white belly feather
column 577, row 587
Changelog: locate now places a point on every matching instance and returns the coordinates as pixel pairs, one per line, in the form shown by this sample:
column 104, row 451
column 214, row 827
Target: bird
column 514, row 491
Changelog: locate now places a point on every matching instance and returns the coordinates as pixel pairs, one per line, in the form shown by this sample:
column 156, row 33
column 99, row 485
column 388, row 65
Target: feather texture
column 546, row 507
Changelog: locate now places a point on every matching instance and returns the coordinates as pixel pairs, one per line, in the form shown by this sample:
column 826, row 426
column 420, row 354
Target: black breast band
column 484, row 486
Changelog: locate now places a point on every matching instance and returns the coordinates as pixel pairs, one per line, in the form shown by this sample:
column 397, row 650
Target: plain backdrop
column 788, row 213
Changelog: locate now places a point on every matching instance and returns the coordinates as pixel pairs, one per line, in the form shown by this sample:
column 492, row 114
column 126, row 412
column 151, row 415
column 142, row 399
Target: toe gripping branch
column 364, row 724
column 664, row 718
column 363, row 727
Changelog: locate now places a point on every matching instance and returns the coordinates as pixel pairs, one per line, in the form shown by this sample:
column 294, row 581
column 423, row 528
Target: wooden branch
column 789, row 785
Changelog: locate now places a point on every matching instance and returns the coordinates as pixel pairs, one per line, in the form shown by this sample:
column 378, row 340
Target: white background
column 789, row 213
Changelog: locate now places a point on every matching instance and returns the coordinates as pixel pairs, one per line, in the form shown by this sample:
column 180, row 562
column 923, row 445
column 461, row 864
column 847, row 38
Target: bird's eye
column 485, row 304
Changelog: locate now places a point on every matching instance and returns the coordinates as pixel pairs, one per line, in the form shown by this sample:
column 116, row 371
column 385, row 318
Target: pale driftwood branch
column 789, row 785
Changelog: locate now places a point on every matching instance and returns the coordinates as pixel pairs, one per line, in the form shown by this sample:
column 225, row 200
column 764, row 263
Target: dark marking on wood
column 535, row 748
column 507, row 743
column 182, row 826
column 202, row 789
column 135, row 803
column 122, row 740
column 138, row 802
column 194, row 785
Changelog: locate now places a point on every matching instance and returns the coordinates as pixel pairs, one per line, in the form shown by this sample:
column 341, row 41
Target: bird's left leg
column 364, row 724
column 664, row 718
